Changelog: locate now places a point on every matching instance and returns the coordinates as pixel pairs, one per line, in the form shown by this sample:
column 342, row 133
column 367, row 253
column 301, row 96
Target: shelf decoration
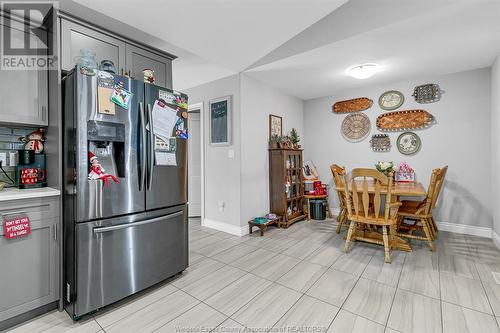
column 355, row 127
column 404, row 120
column 391, row 100
column 275, row 126
column 385, row 167
column 380, row 142
column 408, row 143
column 352, row 105
column 404, row 173
column 427, row 93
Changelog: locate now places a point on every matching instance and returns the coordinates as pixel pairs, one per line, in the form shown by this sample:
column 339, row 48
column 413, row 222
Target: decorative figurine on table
column 405, row 173
column 34, row 141
column 98, row 172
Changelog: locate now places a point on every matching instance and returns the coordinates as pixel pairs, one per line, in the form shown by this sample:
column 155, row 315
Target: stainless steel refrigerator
column 127, row 236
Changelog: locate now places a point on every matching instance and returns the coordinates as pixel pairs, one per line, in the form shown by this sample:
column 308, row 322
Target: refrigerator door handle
column 100, row 230
column 151, row 148
column 143, row 148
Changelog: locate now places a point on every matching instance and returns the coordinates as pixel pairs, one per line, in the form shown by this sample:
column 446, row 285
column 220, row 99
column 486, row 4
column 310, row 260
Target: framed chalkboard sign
column 220, row 121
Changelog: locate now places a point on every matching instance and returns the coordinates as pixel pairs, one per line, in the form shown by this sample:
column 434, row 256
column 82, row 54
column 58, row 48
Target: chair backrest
column 338, row 173
column 435, row 186
column 382, row 186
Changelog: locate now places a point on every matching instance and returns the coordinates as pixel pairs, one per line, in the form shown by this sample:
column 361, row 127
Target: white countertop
column 13, row 193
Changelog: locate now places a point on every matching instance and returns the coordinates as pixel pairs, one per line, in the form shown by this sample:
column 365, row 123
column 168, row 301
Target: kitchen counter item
column 352, row 105
column 12, row 193
column 404, row 120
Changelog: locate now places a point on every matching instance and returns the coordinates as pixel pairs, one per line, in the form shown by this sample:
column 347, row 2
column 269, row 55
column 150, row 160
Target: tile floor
column 299, row 278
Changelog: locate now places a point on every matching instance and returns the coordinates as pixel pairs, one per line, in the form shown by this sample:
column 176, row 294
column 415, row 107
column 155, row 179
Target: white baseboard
column 465, row 229
column 225, row 227
column 495, row 238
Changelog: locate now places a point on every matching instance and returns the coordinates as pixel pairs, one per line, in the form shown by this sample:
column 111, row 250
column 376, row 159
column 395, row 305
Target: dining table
column 399, row 189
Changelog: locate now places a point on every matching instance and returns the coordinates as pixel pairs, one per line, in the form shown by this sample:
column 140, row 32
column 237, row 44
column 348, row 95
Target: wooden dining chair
column 338, row 173
column 382, row 215
column 421, row 211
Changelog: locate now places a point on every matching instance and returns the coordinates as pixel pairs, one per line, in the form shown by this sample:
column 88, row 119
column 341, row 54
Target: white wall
column 222, row 174
column 258, row 100
column 495, row 148
column 460, row 139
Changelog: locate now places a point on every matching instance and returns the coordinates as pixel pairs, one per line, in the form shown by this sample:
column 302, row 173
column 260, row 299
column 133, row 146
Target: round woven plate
column 408, row 143
column 355, row 127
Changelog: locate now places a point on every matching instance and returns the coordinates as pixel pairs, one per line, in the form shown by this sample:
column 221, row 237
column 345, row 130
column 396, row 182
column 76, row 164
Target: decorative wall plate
column 380, row 142
column 408, row 143
column 391, row 100
column 427, row 93
column 352, row 105
column 404, row 120
column 356, row 127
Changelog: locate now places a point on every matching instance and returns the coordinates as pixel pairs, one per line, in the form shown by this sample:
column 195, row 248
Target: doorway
column 195, row 161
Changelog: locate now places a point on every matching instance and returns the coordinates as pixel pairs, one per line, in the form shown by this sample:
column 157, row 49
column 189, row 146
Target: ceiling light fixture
column 363, row 71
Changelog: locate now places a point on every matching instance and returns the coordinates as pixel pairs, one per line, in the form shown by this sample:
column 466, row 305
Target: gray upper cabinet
column 139, row 59
column 30, row 264
column 127, row 57
column 23, row 93
column 75, row 37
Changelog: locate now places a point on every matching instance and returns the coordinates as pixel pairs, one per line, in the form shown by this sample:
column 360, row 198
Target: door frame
column 191, row 108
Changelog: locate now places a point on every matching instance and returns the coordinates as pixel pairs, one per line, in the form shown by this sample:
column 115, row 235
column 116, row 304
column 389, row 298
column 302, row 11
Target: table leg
column 250, row 228
column 308, row 209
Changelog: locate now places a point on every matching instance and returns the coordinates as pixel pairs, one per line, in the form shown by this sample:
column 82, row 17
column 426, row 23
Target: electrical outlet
column 3, row 159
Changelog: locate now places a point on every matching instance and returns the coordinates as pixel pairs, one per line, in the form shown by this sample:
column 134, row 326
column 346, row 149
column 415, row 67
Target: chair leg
column 340, row 220
column 426, row 227
column 431, row 228
column 435, row 227
column 330, row 215
column 385, row 236
column 349, row 236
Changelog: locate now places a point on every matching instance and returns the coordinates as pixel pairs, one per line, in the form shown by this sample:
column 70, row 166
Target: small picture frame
column 275, row 125
column 220, row 121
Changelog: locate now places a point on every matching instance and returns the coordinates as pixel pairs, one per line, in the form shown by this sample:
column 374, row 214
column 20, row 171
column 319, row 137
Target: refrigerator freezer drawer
column 116, row 259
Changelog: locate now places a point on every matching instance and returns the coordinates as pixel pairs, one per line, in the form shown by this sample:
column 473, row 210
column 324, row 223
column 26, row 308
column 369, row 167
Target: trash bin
column 318, row 209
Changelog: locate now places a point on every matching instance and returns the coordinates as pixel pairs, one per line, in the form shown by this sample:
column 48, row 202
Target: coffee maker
column 30, row 171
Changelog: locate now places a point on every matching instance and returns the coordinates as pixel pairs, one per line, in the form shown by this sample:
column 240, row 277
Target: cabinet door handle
column 44, row 113
column 55, row 231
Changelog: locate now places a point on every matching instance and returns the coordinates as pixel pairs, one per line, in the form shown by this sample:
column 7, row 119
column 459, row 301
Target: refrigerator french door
column 159, row 176
column 127, row 236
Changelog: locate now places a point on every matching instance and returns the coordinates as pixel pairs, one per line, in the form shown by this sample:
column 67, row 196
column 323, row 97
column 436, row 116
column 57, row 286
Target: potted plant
column 273, row 141
column 294, row 138
column 385, row 167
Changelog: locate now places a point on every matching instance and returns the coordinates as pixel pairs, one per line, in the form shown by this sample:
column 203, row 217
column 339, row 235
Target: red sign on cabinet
column 16, row 226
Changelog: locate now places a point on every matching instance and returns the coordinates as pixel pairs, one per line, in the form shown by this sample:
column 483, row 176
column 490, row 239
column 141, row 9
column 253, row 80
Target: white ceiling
column 304, row 46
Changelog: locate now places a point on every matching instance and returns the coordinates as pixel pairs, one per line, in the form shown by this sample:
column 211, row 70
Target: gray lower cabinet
column 23, row 93
column 29, row 272
column 127, row 57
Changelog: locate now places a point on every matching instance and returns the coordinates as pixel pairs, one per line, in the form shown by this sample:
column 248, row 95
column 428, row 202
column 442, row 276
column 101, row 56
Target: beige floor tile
column 420, row 279
column 493, row 293
column 267, row 308
column 347, row 322
column 370, row 299
column 464, row 292
column 201, row 318
column 380, row 271
column 195, row 272
column 195, row 235
column 458, row 265
column 233, row 297
column 56, row 322
column 333, row 287
column 234, row 253
column 213, row 282
column 486, row 270
column 301, row 249
column 229, row 326
column 325, row 255
column 154, row 315
column 457, row 319
column 194, row 258
column 217, row 247
column 307, row 312
column 302, row 276
column 276, row 267
column 413, row 313
column 278, row 244
column 253, row 260
column 353, row 262
column 123, row 309
column 68, row 325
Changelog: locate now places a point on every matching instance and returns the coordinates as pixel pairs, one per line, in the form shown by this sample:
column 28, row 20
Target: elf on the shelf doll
column 97, row 171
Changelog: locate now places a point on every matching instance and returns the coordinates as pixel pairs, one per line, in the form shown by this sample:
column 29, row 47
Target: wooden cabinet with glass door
column 286, row 189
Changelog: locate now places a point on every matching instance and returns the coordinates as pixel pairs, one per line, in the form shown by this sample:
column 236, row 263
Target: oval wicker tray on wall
column 404, row 120
column 352, row 105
